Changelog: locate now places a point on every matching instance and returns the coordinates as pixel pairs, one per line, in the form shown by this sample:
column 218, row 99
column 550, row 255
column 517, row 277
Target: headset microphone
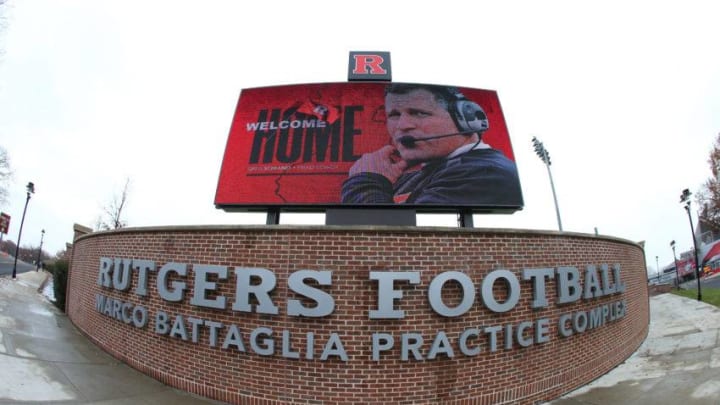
column 409, row 141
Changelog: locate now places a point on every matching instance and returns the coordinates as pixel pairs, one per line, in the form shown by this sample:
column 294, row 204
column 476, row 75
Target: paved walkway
column 43, row 358
column 679, row 362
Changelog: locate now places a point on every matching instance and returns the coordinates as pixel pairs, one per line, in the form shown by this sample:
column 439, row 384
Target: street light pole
column 657, row 268
column 42, row 235
column 30, row 190
column 544, row 155
column 685, row 198
column 677, row 276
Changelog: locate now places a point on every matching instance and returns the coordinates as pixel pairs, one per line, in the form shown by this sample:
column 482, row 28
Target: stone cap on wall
column 359, row 228
column 80, row 230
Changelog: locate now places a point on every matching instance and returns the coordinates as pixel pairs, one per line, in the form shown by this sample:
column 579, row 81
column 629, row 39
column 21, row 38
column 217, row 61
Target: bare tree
column 3, row 20
column 112, row 218
column 5, row 175
column 708, row 198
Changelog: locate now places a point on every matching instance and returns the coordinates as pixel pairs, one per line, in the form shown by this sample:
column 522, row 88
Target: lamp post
column 42, row 235
column 677, row 276
column 657, row 268
column 685, row 198
column 544, row 155
column 30, row 190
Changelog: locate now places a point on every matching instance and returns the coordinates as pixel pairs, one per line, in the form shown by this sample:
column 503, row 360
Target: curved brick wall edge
column 501, row 341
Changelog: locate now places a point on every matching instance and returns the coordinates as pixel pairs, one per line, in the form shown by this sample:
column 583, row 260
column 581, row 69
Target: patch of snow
column 48, row 291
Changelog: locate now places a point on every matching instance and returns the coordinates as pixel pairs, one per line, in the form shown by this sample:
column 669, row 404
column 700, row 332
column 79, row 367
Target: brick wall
column 528, row 375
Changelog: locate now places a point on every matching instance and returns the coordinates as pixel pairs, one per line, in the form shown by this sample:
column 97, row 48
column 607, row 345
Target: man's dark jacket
column 480, row 177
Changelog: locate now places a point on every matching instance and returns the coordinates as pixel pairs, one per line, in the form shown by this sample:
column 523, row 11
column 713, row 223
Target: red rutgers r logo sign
column 369, row 66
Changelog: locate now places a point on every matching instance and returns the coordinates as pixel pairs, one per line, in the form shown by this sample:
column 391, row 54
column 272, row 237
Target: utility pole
column 30, row 190
column 42, row 235
column 677, row 275
column 685, row 198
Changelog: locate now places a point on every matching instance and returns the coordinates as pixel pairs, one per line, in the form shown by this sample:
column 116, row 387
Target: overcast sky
column 625, row 96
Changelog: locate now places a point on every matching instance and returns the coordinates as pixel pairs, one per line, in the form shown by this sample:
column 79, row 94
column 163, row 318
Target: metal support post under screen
column 273, row 217
column 465, row 219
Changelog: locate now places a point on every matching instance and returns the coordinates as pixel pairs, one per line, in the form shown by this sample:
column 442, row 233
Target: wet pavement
column 45, row 359
column 679, row 362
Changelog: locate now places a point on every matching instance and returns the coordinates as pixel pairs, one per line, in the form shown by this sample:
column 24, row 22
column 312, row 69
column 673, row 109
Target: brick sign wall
column 413, row 315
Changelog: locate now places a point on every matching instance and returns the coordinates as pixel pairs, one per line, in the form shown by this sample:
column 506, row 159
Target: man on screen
column 436, row 155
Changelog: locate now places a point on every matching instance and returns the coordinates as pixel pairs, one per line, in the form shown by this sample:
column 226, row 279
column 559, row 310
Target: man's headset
column 468, row 116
